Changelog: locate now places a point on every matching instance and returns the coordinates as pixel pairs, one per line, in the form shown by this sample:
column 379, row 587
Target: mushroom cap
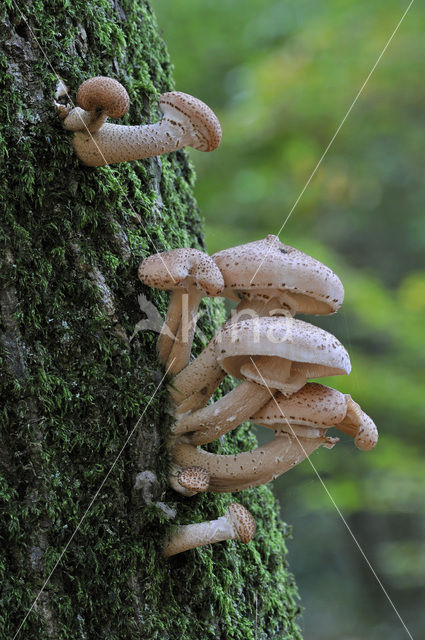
column 366, row 433
column 103, row 94
column 315, row 405
column 242, row 521
column 313, row 351
column 204, row 121
column 268, row 267
column 194, row 479
column 181, row 268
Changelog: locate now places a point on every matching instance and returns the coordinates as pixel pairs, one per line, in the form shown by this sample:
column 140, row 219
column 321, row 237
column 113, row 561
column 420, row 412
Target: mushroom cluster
column 272, row 353
column 186, row 121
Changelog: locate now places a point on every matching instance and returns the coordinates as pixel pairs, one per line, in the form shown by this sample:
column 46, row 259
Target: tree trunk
column 74, row 385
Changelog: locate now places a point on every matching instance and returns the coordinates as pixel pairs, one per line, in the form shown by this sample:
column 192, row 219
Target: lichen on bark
column 73, row 385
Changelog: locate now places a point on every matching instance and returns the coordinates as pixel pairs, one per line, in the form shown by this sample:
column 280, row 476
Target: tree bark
column 73, row 384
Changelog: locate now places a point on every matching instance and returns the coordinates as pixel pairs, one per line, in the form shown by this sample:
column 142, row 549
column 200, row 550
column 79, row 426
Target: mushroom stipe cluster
column 273, row 354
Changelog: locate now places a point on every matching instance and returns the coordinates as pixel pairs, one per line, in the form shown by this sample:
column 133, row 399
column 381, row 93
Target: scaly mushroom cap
column 312, row 351
column 180, row 267
column 315, row 405
column 195, row 479
column 205, row 124
column 269, row 268
column 103, row 94
column 358, row 424
column 242, row 520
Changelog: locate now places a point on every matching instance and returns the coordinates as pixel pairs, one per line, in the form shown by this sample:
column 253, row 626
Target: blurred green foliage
column 281, row 75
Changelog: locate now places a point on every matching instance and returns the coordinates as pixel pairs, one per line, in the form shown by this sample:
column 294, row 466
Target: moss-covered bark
column 73, row 385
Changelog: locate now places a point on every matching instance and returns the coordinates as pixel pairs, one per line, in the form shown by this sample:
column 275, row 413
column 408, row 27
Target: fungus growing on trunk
column 189, row 274
column 297, row 351
column 186, row 121
column 267, row 277
column 228, row 473
column 315, row 408
column 98, row 98
column 236, row 524
column 267, row 273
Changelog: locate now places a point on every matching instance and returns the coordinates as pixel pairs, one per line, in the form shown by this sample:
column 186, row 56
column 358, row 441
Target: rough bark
column 73, row 384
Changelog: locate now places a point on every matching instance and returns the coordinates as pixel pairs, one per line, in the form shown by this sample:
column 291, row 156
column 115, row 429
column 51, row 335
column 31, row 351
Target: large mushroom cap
column 268, row 266
column 315, row 405
column 103, row 94
column 312, row 351
column 242, row 521
column 180, row 267
column 204, row 121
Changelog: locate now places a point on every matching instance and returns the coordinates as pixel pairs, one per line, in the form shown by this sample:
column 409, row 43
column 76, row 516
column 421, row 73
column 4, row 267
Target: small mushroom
column 98, row 98
column 315, row 408
column 266, row 275
column 186, row 121
column 297, row 351
column 189, row 274
column 237, row 524
column 228, row 473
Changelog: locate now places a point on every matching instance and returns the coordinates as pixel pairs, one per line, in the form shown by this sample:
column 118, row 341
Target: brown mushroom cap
column 315, row 405
column 359, row 425
column 242, row 521
column 103, row 94
column 268, row 268
column 179, row 267
column 195, row 479
column 204, row 121
column 313, row 351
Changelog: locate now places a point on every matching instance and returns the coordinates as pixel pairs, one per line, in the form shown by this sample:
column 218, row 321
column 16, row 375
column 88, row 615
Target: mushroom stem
column 186, row 122
column 200, row 373
column 80, row 120
column 226, row 414
column 180, row 351
column 171, row 325
column 200, row 398
column 236, row 524
column 230, row 473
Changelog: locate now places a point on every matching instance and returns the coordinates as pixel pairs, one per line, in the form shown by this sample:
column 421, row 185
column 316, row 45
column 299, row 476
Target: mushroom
column 97, row 98
column 267, row 275
column 189, row 274
column 267, row 278
column 295, row 351
column 308, row 413
column 236, row 524
column 315, row 408
column 188, row 481
column 186, row 121
column 228, row 473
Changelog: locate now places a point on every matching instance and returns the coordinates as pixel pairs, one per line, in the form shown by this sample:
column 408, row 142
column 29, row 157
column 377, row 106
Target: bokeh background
column 281, row 76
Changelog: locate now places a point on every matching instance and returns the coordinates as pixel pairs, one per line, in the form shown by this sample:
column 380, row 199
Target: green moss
column 67, row 409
